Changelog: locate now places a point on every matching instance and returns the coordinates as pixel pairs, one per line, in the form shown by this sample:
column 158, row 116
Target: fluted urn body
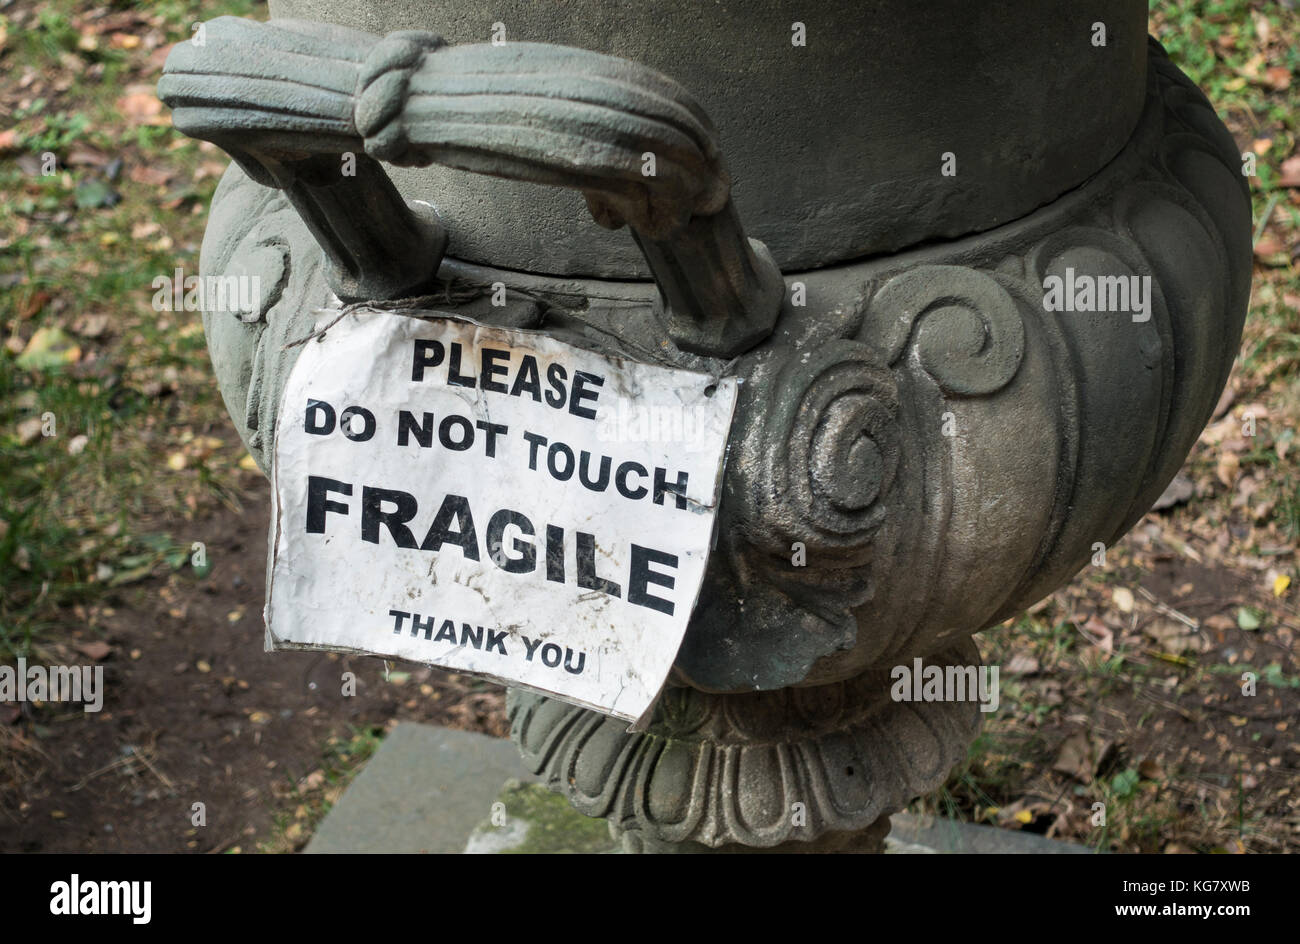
column 982, row 274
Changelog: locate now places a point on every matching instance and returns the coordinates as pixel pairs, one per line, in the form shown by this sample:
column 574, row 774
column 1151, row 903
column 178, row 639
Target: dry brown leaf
column 1290, row 172
column 1228, row 468
column 1022, row 664
column 141, row 106
column 96, row 649
column 1076, row 758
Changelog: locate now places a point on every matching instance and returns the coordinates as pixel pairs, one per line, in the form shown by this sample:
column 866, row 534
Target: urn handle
column 287, row 99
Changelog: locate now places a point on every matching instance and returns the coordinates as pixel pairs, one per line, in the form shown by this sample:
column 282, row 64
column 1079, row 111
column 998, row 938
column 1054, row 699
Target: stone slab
column 431, row 790
column 951, row 836
column 423, row 791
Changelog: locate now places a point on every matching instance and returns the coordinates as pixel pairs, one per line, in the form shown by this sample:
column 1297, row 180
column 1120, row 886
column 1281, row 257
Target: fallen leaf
column 1020, row 664
column 1173, row 637
column 1123, row 598
column 1280, row 583
column 1150, row 769
column 1176, row 492
column 1247, row 619
column 1290, row 169
column 1268, row 245
column 141, row 106
column 82, row 156
column 1278, row 78
column 29, row 430
column 97, row 649
column 1101, row 635
column 91, row 325
column 33, row 305
column 48, row 347
column 150, row 176
column 1228, row 468
column 1075, row 757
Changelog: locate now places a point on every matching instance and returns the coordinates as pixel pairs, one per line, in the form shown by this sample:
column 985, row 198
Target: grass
column 304, row 802
column 81, row 243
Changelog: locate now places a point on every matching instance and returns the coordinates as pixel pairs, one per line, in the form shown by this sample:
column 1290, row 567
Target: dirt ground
column 197, row 712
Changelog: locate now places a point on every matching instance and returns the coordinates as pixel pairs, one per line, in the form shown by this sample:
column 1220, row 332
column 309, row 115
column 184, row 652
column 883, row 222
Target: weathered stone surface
column 942, row 446
column 423, row 791
column 534, row 821
column 834, row 147
column 390, row 808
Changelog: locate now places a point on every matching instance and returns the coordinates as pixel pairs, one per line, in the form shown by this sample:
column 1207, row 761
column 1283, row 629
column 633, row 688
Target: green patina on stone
column 539, row 822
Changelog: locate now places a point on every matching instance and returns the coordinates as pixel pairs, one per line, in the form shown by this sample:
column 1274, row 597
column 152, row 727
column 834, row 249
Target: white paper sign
column 496, row 502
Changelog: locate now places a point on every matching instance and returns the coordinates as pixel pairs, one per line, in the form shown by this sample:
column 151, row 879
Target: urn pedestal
column 981, row 272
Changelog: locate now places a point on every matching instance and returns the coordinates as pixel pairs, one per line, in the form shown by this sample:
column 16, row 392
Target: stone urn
column 982, row 271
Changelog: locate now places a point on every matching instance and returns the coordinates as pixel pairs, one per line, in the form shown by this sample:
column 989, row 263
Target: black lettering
column 640, row 575
column 426, row 626
column 530, row 647
column 397, row 623
column 580, row 392
column 554, row 553
column 488, row 369
column 454, row 377
column 496, row 639
column 556, row 448
column 444, row 433
column 584, row 472
column 587, row 578
column 471, row 635
column 318, row 504
column 406, row 426
column 440, row 533
column 345, row 423
column 326, row 425
column 447, row 633
column 662, row 487
column 526, row 562
column 527, row 379
column 555, row 376
column 551, row 655
column 493, row 430
column 620, row 480
column 427, row 354
column 533, row 442
column 568, row 658
column 372, row 517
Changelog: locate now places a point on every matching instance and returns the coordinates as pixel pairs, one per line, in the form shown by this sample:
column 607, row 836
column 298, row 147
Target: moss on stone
column 540, row 822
